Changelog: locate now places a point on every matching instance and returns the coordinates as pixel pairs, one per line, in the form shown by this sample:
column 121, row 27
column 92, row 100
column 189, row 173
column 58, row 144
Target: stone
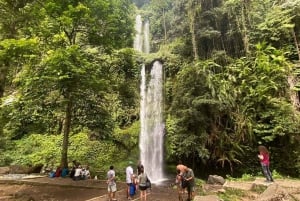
column 274, row 193
column 215, row 179
column 207, row 198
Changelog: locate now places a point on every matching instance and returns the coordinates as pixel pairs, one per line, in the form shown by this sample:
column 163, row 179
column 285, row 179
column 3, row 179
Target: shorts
column 112, row 188
column 142, row 188
column 191, row 188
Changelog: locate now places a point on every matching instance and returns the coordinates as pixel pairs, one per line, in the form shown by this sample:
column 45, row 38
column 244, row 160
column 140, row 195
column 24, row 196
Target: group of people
column 80, row 173
column 134, row 181
column 185, row 179
column 77, row 172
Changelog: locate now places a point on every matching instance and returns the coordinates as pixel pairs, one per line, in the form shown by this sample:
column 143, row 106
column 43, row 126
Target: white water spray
column 151, row 113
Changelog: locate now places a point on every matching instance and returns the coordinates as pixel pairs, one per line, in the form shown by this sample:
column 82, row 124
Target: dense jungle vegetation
column 69, row 82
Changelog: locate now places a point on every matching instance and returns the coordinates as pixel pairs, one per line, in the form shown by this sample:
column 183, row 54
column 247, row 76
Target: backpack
column 148, row 183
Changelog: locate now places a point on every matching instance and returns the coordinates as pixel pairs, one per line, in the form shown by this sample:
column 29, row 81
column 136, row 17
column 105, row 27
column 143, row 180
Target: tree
column 70, row 70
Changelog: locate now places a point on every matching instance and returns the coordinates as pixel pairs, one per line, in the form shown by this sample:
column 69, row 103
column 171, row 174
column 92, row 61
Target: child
column 133, row 186
column 178, row 182
column 264, row 158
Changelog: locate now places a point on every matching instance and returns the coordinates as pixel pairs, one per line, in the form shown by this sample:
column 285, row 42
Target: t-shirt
column 189, row 173
column 129, row 173
column 87, row 173
column 142, row 178
column 111, row 177
column 265, row 160
column 77, row 172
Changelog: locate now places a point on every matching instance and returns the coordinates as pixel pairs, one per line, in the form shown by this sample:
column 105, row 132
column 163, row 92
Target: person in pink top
column 264, row 158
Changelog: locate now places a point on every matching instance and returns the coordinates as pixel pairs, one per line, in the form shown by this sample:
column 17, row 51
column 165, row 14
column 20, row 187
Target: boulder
column 18, row 169
column 215, row 179
column 274, row 193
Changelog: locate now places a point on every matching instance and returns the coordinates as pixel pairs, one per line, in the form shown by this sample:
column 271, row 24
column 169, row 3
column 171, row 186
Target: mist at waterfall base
column 151, row 112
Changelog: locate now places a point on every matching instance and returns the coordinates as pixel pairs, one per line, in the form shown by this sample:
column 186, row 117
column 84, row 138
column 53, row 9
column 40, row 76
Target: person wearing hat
column 129, row 173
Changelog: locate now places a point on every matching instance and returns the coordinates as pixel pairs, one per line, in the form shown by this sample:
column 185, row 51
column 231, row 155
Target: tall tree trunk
column 165, row 27
column 245, row 31
column 67, row 126
column 192, row 11
column 2, row 82
column 296, row 43
column 3, row 74
column 293, row 80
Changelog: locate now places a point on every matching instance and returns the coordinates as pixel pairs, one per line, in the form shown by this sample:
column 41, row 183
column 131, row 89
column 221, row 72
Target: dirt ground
column 65, row 189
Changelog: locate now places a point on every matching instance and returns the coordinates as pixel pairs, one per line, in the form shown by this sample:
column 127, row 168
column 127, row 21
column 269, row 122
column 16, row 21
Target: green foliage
column 276, row 175
column 244, row 177
column 46, row 149
column 277, row 25
column 127, row 139
column 68, row 60
column 36, row 149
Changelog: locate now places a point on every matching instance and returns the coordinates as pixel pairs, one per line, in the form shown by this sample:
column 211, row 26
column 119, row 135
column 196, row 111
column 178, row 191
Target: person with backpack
column 142, row 181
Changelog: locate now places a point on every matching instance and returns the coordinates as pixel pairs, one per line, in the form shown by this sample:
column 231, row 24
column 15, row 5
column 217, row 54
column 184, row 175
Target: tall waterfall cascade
column 151, row 113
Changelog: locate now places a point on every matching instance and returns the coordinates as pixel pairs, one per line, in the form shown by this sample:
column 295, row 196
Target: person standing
column 142, row 179
column 178, row 182
column 129, row 174
column 181, row 168
column 189, row 178
column 139, row 167
column 264, row 158
column 111, row 184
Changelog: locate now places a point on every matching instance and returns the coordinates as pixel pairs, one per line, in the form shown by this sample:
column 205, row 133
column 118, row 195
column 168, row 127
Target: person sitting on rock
column 78, row 173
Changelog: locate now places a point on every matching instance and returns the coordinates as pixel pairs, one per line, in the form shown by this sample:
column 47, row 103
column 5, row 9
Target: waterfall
column 152, row 123
column 138, row 40
column 151, row 113
column 146, row 37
